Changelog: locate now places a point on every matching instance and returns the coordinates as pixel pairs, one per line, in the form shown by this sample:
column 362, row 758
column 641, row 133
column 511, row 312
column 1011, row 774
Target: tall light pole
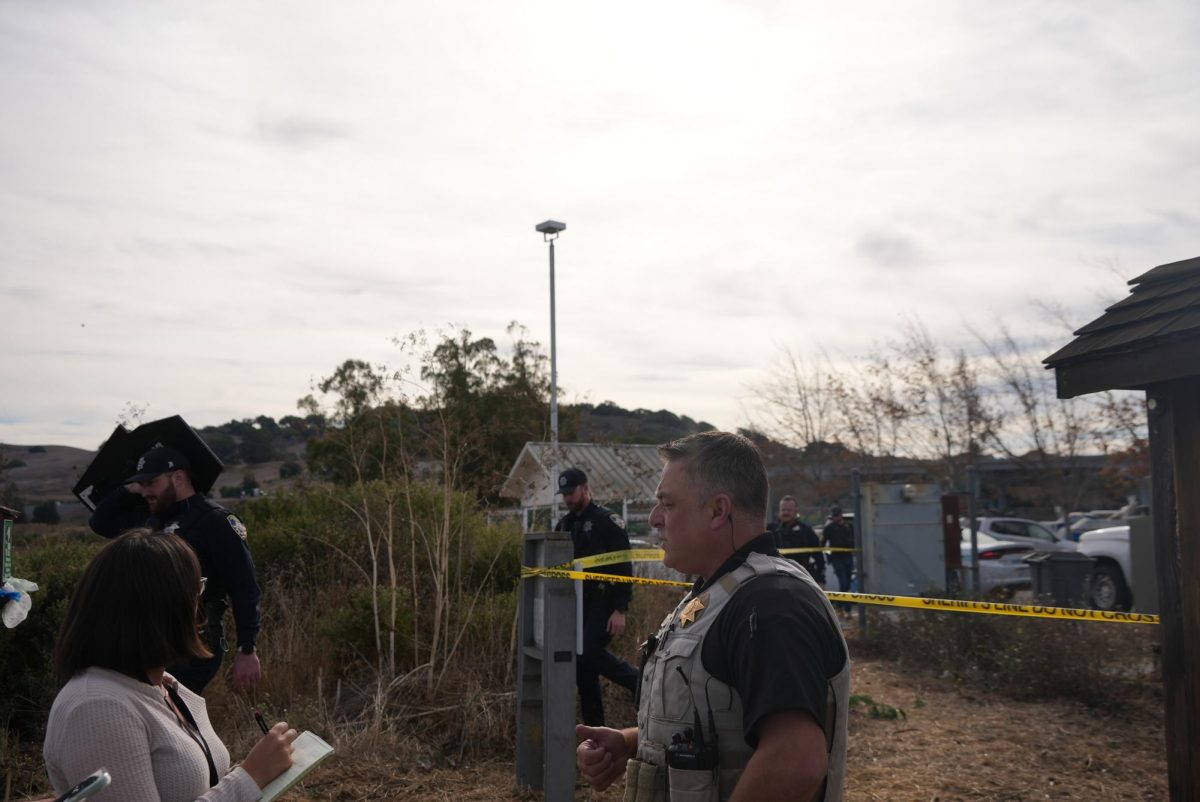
column 550, row 230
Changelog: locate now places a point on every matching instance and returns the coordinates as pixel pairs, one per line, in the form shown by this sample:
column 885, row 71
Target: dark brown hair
column 722, row 462
column 135, row 608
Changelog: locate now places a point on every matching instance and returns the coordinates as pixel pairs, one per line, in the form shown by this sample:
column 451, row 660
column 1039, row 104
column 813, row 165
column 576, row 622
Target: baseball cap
column 159, row 460
column 570, row 479
column 835, row 511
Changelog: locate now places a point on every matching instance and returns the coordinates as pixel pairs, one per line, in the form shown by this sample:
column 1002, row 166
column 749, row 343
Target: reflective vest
column 668, row 704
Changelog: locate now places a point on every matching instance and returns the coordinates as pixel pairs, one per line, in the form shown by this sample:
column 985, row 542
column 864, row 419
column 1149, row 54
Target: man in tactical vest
column 597, row 530
column 160, row 495
column 745, row 686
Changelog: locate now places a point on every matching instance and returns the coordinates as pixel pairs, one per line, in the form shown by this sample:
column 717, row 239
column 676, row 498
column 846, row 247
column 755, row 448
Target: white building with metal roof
column 618, row 474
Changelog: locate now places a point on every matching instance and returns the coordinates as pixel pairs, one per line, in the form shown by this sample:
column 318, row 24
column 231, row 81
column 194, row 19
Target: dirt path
column 945, row 743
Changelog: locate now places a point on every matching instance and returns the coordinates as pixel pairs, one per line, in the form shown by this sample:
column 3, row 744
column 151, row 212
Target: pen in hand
column 262, row 722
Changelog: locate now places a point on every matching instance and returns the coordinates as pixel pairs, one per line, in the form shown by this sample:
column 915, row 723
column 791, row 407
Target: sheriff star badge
column 691, row 610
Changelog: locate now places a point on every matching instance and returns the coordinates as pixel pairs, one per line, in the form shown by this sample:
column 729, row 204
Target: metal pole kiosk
column 550, row 230
column 860, row 563
column 972, row 494
column 7, row 517
column 546, row 671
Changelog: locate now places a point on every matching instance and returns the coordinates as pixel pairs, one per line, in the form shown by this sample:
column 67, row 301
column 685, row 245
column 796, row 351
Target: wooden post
column 1174, row 423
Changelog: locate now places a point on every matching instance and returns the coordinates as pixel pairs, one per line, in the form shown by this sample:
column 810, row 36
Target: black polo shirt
column 775, row 643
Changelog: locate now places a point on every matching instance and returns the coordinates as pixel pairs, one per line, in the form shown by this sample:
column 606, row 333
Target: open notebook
column 307, row 751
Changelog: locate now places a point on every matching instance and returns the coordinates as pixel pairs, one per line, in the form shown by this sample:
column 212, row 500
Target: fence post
column 546, row 671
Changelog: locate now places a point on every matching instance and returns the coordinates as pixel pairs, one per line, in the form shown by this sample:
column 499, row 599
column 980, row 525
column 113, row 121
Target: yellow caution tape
column 656, row 555
column 567, row 573
column 910, row 602
column 615, row 557
column 993, row 608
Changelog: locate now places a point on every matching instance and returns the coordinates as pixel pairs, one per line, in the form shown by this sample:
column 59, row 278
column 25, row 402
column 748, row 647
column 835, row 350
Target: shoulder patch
column 236, row 525
column 616, row 519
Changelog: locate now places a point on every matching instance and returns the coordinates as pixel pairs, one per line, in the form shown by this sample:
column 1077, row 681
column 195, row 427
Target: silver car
column 1002, row 568
column 1020, row 530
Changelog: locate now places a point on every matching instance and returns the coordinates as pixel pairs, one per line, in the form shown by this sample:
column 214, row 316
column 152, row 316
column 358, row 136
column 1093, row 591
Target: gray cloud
column 26, row 293
column 800, row 185
column 298, row 131
column 168, row 248
column 889, row 250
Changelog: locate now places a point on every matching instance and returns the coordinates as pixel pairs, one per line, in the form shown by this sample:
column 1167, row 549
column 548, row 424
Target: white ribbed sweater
column 104, row 719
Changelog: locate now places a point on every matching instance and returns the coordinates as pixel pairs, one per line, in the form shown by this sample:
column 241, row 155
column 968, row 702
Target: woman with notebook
column 134, row 612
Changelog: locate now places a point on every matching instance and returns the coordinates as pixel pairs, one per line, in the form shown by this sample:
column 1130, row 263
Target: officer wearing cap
column 596, row 530
column 161, row 496
column 839, row 534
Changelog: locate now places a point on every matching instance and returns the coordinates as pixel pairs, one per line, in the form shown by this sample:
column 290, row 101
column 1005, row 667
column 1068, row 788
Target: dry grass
column 959, row 743
column 952, row 742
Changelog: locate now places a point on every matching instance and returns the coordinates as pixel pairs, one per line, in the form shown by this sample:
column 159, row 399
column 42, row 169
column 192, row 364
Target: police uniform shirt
column 799, row 535
column 598, row 530
column 219, row 540
column 774, row 643
column 839, row 535
column 215, row 534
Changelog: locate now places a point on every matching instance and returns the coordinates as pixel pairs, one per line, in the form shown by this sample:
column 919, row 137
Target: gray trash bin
column 1060, row 578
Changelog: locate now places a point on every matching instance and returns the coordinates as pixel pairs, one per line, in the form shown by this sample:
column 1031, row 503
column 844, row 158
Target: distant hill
column 609, row 423
column 39, row 471
column 260, row 446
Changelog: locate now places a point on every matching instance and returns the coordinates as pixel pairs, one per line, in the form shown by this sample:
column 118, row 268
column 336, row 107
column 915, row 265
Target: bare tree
column 799, row 401
column 949, row 415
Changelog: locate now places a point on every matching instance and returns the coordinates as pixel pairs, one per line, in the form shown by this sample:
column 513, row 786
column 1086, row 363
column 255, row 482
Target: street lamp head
column 550, row 228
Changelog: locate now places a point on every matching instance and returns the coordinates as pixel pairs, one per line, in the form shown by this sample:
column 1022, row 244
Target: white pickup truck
column 1112, row 578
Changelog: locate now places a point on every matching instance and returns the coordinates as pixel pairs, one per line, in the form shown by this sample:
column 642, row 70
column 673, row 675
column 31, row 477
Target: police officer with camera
column 745, row 686
column 161, row 496
column 597, row 530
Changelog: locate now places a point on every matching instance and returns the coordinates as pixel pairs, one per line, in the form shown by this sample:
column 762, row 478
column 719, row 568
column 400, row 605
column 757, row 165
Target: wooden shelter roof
column 1151, row 336
column 615, row 472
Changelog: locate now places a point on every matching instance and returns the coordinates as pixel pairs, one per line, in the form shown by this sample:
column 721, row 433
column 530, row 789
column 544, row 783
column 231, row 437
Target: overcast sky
column 205, row 206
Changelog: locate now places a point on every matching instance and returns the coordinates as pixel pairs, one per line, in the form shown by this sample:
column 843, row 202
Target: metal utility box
column 902, row 539
column 546, row 670
column 1060, row 578
column 1144, row 572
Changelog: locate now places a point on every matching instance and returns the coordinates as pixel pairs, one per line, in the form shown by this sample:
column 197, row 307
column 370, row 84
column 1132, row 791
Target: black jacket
column 799, row 535
column 839, row 535
column 213, row 532
column 598, row 530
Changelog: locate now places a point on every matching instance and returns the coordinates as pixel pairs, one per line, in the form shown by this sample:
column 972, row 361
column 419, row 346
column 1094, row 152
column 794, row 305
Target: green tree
column 290, row 470
column 222, row 444
column 492, row 404
column 10, row 494
column 46, row 512
column 455, row 431
column 470, row 399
